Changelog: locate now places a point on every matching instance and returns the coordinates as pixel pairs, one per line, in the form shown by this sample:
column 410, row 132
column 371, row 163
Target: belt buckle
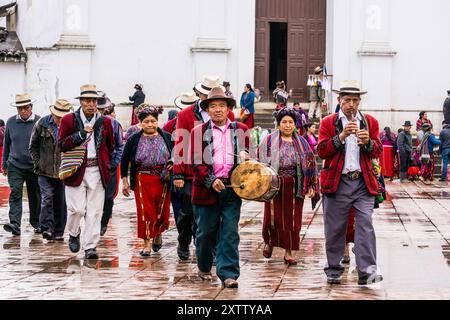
column 354, row 175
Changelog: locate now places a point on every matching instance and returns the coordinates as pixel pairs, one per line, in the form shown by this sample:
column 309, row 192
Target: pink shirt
column 223, row 150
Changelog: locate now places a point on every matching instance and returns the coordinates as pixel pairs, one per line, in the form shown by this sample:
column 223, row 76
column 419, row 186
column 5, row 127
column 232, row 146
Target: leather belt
column 91, row 163
column 354, row 175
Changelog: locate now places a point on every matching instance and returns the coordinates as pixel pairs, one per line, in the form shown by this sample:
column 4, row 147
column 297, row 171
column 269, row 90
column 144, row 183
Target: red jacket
column 333, row 152
column 202, row 191
column 187, row 119
column 69, row 137
column 170, row 126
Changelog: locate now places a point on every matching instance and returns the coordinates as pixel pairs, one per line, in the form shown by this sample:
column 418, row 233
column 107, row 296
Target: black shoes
column 91, row 254
column 103, row 230
column 74, row 244
column 370, row 279
column 9, row 227
column 183, row 253
column 38, row 230
column 47, row 235
column 334, row 279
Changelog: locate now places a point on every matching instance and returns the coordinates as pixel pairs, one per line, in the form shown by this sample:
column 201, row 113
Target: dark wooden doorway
column 303, row 24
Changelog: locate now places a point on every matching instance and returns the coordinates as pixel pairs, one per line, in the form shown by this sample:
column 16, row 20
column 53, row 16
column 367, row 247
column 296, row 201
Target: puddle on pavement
column 74, row 265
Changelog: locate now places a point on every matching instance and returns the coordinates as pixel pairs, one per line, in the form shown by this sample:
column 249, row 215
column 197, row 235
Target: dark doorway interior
column 278, row 53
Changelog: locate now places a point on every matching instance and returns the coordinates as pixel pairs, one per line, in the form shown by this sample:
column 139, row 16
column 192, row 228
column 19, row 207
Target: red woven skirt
column 152, row 204
column 283, row 217
column 387, row 161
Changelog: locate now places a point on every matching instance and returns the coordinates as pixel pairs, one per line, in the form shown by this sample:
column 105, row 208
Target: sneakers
column 91, row 254
column 9, row 227
column 230, row 284
column 74, row 244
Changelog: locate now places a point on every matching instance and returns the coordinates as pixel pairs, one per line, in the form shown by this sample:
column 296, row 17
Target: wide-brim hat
column 88, row 91
column 207, row 84
column 426, row 126
column 61, row 108
column 218, row 93
column 318, row 70
column 407, row 124
column 103, row 102
column 186, row 99
column 22, row 100
column 350, row 86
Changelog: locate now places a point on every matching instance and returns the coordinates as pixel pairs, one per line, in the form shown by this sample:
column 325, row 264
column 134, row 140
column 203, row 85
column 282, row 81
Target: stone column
column 377, row 57
column 210, row 50
column 75, row 48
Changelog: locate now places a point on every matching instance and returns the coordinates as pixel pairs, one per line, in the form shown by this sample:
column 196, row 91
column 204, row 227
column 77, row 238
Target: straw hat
column 207, row 84
column 22, row 100
column 186, row 99
column 350, row 86
column 88, row 91
column 61, row 108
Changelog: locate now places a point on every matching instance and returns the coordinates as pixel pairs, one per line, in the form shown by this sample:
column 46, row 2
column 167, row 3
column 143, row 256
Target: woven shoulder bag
column 72, row 160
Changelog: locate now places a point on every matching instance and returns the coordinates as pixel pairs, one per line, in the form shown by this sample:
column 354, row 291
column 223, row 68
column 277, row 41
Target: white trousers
column 86, row 201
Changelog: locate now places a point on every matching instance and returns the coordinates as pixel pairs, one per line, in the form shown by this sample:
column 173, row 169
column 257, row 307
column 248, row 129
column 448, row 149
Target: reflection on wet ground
column 413, row 234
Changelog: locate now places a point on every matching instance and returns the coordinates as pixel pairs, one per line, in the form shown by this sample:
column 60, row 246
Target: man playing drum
column 215, row 149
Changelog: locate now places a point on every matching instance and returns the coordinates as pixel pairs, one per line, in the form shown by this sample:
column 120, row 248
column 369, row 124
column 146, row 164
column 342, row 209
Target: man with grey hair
column 348, row 142
column 18, row 165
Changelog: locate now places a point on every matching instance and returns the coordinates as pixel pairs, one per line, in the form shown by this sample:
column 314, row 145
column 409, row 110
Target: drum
column 255, row 181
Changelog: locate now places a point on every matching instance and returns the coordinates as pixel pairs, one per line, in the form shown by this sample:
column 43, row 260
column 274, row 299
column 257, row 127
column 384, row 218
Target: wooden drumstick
column 242, row 186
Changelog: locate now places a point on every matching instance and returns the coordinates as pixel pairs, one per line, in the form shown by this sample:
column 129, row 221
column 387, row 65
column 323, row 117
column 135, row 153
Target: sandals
column 144, row 253
column 267, row 253
column 157, row 246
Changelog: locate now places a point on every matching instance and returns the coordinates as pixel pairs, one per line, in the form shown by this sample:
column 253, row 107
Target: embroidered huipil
column 152, row 154
column 288, row 159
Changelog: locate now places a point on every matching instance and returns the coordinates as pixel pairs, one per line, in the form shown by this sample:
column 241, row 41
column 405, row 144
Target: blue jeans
column 223, row 218
column 445, row 158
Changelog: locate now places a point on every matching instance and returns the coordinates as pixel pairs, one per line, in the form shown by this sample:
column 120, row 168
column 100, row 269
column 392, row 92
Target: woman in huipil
column 388, row 140
column 291, row 156
column 425, row 152
column 149, row 153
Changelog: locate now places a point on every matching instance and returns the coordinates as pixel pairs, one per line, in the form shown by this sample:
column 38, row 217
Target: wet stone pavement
column 413, row 234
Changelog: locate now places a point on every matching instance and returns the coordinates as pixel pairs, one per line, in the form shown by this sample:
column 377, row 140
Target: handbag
column 72, row 160
column 244, row 114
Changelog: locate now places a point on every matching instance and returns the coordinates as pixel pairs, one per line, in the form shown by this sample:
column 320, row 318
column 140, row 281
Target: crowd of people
column 72, row 162
column 408, row 161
